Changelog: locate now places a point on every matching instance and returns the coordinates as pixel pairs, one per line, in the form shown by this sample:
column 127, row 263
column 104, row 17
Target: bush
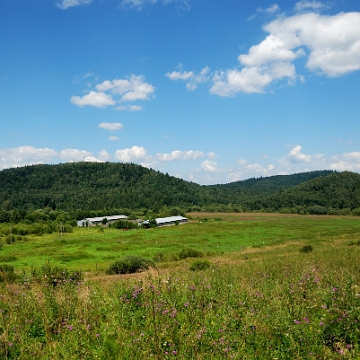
column 200, row 265
column 189, row 252
column 7, row 273
column 306, row 249
column 129, row 264
column 10, row 239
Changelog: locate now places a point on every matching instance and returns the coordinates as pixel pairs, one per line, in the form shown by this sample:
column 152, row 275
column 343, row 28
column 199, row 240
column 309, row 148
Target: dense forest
column 89, row 189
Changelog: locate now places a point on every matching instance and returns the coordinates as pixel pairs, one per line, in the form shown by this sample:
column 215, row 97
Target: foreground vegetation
column 286, row 287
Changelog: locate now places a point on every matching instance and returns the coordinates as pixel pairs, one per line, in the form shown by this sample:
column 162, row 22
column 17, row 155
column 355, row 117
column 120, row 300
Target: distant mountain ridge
column 98, row 186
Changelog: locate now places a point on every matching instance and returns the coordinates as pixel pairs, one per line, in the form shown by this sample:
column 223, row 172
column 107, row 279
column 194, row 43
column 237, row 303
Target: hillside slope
column 97, row 186
column 321, row 195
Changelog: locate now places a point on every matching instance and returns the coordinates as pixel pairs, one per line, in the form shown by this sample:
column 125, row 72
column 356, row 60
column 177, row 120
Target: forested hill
column 264, row 186
column 99, row 186
column 337, row 193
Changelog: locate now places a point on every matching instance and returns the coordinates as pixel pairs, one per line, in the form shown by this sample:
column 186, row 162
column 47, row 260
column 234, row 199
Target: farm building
column 167, row 221
column 99, row 220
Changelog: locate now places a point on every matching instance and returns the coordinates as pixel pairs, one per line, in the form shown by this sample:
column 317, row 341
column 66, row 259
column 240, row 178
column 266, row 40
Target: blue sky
column 211, row 91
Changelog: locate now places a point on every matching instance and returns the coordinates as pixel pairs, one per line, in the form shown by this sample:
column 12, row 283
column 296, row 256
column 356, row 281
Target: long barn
column 167, row 221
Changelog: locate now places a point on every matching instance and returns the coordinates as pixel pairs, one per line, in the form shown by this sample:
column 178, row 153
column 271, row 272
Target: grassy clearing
column 264, row 302
column 212, row 234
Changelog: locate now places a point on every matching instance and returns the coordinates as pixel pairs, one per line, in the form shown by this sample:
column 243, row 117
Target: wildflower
column 324, row 306
column 297, row 322
column 10, row 344
column 186, row 304
column 335, row 289
column 70, row 327
column 174, row 352
column 97, row 335
column 306, row 320
column 341, row 352
column 321, row 323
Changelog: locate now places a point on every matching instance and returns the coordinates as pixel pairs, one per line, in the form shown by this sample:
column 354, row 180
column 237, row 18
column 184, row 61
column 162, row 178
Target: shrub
column 129, row 264
column 200, row 265
column 7, row 273
column 306, row 249
column 189, row 252
column 10, row 239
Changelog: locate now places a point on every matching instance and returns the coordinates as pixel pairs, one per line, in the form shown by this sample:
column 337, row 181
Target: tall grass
column 278, row 303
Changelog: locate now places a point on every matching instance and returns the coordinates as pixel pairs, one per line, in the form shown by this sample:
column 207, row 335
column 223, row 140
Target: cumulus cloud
column 25, row 155
column 132, row 89
column 177, row 155
column 104, row 155
column 64, row 4
column 348, row 161
column 93, row 98
column 296, row 156
column 109, row 93
column 113, row 138
column 131, row 154
column 250, row 79
column 330, row 44
column 110, row 126
column 209, row 166
column 192, row 79
column 306, row 5
column 75, row 155
column 139, row 4
column 250, row 170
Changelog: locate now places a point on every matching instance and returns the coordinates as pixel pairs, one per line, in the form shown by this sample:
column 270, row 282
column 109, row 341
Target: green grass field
column 214, row 234
column 260, row 298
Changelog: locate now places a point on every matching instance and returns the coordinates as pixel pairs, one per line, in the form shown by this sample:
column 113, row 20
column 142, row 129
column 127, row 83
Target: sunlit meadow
column 295, row 298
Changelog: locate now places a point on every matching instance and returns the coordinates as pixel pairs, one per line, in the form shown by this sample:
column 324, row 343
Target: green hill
column 110, row 186
column 322, row 195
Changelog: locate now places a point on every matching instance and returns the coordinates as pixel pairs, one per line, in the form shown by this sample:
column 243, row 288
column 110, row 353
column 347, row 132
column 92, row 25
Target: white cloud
column 93, row 98
column 209, row 166
column 271, row 49
column 333, row 41
column 348, row 161
column 211, row 155
column 25, row 155
column 177, row 155
column 110, row 126
column 305, row 5
column 64, row 4
column 250, row 170
column 296, row 156
column 131, row 154
column 108, row 93
column 113, row 138
column 130, row 108
column 192, row 78
column 180, row 75
column 331, row 45
column 131, row 89
column 139, row 4
column 75, row 155
column 250, row 79
column 104, row 155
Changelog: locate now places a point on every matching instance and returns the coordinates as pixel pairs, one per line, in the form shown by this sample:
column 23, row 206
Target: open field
column 212, row 233
column 261, row 298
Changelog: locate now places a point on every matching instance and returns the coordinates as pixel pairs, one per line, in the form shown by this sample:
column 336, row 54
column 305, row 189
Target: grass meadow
column 262, row 297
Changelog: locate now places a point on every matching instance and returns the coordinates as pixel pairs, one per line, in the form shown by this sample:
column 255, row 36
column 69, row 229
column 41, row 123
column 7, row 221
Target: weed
column 200, row 264
column 190, row 253
column 129, row 264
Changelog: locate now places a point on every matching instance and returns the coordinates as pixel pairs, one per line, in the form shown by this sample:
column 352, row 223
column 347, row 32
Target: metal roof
column 168, row 219
column 109, row 218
